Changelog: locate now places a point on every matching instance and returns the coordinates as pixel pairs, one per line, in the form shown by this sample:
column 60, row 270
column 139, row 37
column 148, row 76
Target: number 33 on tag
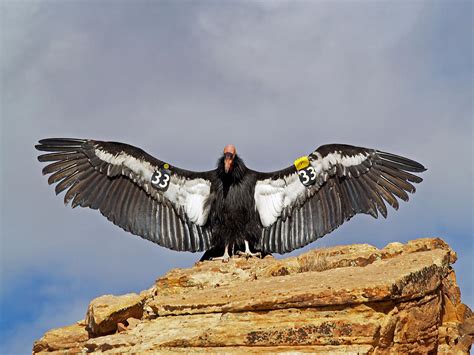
column 306, row 172
column 307, row 176
column 161, row 179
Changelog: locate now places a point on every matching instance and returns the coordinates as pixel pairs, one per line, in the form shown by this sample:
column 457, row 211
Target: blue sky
column 181, row 80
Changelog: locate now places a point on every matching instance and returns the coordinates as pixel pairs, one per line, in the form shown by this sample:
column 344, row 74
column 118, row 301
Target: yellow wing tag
column 301, row 163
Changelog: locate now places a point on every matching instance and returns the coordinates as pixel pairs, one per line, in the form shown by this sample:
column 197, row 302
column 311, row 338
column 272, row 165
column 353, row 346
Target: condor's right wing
column 135, row 191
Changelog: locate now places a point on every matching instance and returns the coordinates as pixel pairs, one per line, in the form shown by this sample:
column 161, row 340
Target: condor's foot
column 225, row 258
column 247, row 253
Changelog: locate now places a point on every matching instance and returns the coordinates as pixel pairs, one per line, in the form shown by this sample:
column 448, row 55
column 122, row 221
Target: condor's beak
column 228, row 161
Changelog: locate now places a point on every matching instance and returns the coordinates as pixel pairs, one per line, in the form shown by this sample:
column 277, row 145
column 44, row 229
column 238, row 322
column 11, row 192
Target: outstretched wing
column 341, row 181
column 134, row 190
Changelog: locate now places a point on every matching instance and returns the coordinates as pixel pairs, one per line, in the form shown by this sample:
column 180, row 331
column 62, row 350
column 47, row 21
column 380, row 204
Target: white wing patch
column 332, row 159
column 273, row 196
column 190, row 194
column 140, row 167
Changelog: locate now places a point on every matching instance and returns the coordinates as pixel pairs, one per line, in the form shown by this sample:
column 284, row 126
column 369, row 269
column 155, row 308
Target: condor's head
column 229, row 156
column 230, row 165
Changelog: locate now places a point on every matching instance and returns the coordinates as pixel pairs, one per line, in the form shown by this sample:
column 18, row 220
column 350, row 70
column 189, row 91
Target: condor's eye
column 229, row 155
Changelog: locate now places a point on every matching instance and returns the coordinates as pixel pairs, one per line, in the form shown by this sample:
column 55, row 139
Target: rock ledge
column 355, row 298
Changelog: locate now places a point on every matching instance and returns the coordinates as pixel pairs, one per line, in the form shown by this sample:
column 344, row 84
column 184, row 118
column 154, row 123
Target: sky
column 181, row 79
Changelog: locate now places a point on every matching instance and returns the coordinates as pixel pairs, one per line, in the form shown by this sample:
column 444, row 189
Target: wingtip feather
column 61, row 141
column 407, row 163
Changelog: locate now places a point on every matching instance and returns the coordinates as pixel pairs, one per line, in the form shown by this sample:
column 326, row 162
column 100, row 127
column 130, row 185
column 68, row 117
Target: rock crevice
column 356, row 298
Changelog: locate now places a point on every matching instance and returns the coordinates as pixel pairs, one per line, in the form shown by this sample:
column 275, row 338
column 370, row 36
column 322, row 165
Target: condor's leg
column 225, row 258
column 247, row 253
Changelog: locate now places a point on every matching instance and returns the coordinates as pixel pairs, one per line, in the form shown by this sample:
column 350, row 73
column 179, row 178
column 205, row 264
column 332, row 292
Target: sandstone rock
column 106, row 312
column 357, row 298
column 67, row 339
column 409, row 275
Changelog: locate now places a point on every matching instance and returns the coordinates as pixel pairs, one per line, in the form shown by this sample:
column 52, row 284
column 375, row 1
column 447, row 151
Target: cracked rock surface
column 355, row 298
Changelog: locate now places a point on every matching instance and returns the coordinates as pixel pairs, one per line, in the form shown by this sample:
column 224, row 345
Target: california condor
column 231, row 209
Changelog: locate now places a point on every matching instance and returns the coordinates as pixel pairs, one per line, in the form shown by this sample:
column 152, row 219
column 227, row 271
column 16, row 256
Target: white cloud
column 301, row 47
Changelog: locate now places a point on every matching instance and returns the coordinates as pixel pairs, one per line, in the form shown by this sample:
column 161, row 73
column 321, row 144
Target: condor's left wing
column 303, row 202
column 139, row 193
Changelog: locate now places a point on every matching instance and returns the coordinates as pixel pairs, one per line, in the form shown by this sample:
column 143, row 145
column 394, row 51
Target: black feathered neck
column 236, row 174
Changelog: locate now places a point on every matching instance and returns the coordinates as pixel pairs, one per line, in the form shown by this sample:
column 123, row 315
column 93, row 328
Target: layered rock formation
column 355, row 298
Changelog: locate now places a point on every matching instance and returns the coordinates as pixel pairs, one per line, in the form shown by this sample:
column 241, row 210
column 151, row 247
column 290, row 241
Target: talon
column 247, row 253
column 225, row 258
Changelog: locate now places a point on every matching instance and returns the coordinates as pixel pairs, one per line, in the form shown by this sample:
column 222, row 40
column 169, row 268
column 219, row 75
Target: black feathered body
column 232, row 216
